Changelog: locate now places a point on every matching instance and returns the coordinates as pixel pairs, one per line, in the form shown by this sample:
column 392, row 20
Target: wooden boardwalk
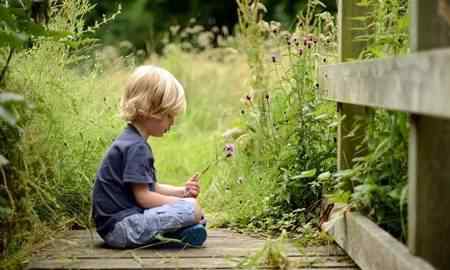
column 223, row 250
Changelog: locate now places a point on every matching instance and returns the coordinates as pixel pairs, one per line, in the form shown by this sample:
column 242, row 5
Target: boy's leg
column 141, row 229
column 180, row 221
column 194, row 235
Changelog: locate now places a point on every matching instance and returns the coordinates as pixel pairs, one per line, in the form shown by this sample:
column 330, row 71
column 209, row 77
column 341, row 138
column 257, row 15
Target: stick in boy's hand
column 192, row 187
column 229, row 151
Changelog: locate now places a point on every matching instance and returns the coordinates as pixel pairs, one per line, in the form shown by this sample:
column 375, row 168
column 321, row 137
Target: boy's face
column 156, row 127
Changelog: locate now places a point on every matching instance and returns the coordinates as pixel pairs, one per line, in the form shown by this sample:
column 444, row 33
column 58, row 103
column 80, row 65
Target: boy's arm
column 170, row 190
column 190, row 189
column 149, row 199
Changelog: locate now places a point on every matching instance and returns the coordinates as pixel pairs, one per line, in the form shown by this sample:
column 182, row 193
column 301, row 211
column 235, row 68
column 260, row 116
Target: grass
column 75, row 118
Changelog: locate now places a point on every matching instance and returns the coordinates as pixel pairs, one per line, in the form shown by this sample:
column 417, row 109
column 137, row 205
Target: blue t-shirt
column 128, row 160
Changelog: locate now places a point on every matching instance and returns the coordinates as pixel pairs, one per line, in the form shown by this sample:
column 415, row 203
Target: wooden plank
column 429, row 161
column 212, row 233
column 417, row 83
column 181, row 263
column 369, row 246
column 79, row 244
column 349, row 48
column 429, row 190
column 83, row 250
column 429, row 24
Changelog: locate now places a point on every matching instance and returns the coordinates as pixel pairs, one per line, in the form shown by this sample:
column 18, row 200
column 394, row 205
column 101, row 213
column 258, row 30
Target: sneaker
column 194, row 235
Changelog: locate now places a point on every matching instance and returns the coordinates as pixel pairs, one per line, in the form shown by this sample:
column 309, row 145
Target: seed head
column 274, row 58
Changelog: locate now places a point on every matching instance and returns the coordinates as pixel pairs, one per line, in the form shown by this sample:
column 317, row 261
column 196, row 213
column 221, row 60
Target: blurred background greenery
column 146, row 23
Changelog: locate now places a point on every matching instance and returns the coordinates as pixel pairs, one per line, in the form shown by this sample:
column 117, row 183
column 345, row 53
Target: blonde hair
column 152, row 91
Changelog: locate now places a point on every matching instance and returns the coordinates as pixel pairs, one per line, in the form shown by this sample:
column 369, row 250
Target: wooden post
column 349, row 49
column 429, row 149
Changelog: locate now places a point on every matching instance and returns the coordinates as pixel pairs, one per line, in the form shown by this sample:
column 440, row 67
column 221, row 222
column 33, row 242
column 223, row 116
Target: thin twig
column 2, row 75
column 8, row 192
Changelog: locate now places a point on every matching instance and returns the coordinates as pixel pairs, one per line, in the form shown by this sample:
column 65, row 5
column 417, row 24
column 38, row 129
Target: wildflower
column 275, row 27
column 240, row 179
column 300, row 51
column 275, row 57
column 229, row 150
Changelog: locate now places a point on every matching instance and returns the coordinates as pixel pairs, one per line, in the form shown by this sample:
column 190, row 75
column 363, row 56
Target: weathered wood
column 349, row 48
column 417, row 83
column 429, row 190
column 429, row 161
column 369, row 246
column 224, row 250
column 181, row 263
column 429, row 24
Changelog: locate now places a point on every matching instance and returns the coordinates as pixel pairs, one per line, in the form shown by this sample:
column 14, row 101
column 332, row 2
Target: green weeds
column 377, row 184
column 288, row 137
column 286, row 152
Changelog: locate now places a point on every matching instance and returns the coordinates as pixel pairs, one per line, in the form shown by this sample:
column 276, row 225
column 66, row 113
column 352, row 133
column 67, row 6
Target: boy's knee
column 198, row 212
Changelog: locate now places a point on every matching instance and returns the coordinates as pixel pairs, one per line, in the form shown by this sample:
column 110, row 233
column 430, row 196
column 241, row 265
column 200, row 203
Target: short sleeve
column 139, row 165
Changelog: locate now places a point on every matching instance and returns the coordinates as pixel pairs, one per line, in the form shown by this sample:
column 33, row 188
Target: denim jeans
column 140, row 229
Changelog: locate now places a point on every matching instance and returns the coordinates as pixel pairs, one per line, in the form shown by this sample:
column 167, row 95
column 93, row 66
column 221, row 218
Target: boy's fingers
column 194, row 188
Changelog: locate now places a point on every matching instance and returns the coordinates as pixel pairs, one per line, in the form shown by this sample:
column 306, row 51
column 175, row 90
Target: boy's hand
column 192, row 187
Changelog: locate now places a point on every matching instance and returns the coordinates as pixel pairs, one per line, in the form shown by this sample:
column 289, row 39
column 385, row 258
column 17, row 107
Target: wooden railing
column 420, row 85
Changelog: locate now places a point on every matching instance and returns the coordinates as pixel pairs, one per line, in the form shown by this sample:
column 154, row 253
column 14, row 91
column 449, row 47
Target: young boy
column 130, row 206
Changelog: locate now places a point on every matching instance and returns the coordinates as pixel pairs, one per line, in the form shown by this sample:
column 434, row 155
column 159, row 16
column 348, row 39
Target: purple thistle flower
column 229, row 149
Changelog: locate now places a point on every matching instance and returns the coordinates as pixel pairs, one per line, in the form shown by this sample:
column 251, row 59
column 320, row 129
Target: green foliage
column 146, row 23
column 19, row 25
column 377, row 185
column 272, row 255
column 289, row 131
column 33, row 193
column 73, row 119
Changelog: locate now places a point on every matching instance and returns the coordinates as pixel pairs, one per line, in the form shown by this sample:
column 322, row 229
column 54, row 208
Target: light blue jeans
column 140, row 229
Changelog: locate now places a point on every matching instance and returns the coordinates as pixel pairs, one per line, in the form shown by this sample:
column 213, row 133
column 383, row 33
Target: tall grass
column 72, row 118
